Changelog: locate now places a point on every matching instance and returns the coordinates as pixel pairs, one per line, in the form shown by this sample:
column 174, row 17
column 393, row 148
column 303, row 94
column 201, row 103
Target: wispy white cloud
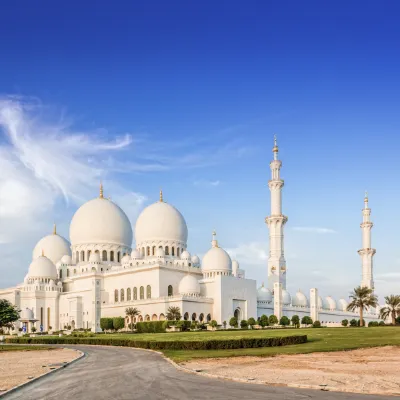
column 309, row 229
column 203, row 182
column 254, row 253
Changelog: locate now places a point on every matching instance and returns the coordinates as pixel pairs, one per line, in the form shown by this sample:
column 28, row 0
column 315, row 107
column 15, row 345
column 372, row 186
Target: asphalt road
column 123, row 373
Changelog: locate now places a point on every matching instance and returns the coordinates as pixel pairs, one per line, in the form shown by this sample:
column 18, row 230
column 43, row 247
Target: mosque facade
column 99, row 274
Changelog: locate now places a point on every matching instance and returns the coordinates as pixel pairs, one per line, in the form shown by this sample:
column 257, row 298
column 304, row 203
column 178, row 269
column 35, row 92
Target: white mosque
column 99, row 274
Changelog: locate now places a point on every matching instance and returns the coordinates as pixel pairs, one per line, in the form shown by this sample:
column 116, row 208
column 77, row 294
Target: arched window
column 162, row 317
column 173, row 250
column 67, row 272
column 201, row 317
column 135, row 293
column 147, row 317
column 194, row 317
column 122, row 295
column 148, row 292
column 128, row 294
column 88, row 254
column 82, row 255
column 170, row 290
column 111, row 256
column 186, row 316
column 148, row 250
column 116, row 295
column 166, row 251
column 142, row 251
column 104, row 255
column 154, row 317
column 77, row 256
column 119, row 256
column 74, row 271
column 154, row 250
column 141, row 292
column 177, row 251
column 60, row 273
column 208, row 317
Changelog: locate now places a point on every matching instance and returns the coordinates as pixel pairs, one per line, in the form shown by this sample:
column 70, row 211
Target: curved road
column 124, row 373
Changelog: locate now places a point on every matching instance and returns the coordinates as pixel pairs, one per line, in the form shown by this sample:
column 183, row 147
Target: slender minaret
column 276, row 222
column 367, row 253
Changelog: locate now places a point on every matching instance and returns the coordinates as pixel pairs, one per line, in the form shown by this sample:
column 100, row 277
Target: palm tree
column 174, row 314
column 392, row 308
column 362, row 299
column 132, row 312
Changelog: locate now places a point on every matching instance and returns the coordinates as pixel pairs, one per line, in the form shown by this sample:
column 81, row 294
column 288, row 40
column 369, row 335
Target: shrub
column 184, row 325
column 373, row 323
column 353, row 322
column 118, row 323
column 233, row 322
column 251, row 321
column 345, row 322
column 285, row 321
column 306, row 320
column 296, row 321
column 224, row 324
column 264, row 320
column 244, row 323
column 151, row 326
column 358, row 322
column 381, row 323
column 33, row 329
column 194, row 324
column 272, row 320
column 214, row 323
column 397, row 320
column 106, row 324
column 316, row 324
column 214, row 344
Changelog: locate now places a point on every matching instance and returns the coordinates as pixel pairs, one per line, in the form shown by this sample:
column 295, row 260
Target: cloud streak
column 309, row 229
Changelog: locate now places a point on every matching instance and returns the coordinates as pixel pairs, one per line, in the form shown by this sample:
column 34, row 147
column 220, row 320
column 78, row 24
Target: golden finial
column 366, row 196
column 101, row 190
column 161, row 197
column 54, row 229
column 214, row 239
column 42, row 253
column 275, row 149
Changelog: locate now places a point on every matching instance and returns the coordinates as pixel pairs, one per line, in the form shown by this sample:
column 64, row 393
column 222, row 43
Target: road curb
column 22, row 385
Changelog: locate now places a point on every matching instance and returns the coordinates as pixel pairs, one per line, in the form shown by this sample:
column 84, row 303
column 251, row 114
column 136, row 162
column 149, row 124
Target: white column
column 96, row 305
column 278, row 300
column 276, row 222
column 314, row 304
column 366, row 253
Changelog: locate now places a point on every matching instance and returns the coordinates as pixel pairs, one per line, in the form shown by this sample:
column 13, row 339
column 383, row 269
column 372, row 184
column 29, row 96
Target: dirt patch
column 374, row 370
column 17, row 367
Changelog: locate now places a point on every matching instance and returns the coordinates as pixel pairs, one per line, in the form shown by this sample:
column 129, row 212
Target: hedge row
column 213, row 344
column 150, row 327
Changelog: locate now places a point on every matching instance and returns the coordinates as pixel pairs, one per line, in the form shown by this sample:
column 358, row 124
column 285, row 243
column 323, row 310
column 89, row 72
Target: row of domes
column 301, row 300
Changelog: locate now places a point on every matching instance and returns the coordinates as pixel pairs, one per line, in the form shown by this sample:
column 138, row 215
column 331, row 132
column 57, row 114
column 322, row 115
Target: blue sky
column 186, row 96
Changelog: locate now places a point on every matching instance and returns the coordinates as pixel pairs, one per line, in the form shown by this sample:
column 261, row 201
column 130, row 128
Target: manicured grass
column 319, row 340
column 23, row 348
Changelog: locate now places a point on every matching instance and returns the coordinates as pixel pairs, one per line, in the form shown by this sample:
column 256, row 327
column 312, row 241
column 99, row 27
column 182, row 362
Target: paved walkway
column 123, row 373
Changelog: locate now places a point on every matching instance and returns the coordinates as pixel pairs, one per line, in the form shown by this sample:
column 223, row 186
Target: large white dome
column 189, row 285
column 342, row 305
column 286, row 299
column 216, row 259
column 160, row 222
column 42, row 267
column 329, row 304
column 53, row 246
column 300, row 300
column 100, row 221
column 264, row 294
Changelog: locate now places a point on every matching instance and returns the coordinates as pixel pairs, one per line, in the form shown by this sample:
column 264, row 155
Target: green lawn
column 23, row 348
column 325, row 339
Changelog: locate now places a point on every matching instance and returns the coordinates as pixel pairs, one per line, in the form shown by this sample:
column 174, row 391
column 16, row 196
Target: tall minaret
column 276, row 222
column 367, row 253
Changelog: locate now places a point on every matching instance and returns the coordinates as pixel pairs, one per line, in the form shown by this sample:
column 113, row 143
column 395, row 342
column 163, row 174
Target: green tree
column 362, row 299
column 174, row 314
column 272, row 320
column 214, row 323
column 391, row 309
column 345, row 322
column 264, row 320
column 316, row 324
column 285, row 321
column 106, row 324
column 118, row 323
column 296, row 321
column 224, row 324
column 33, row 329
column 131, row 312
column 8, row 314
column 353, row 322
column 251, row 322
column 244, row 324
column 398, row 320
column 306, row 320
column 233, row 322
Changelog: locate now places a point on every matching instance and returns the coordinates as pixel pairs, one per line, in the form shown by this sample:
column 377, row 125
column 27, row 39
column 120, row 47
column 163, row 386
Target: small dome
column 135, row 254
column 42, row 267
column 342, row 305
column 195, row 260
column 159, row 222
column 100, row 221
column 160, row 252
column 189, row 285
column 66, row 260
column 286, row 299
column 54, row 246
column 52, row 282
column 263, row 293
column 125, row 259
column 59, row 284
column 329, row 304
column 26, row 314
column 94, row 257
column 300, row 300
column 216, row 259
column 235, row 267
column 185, row 255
